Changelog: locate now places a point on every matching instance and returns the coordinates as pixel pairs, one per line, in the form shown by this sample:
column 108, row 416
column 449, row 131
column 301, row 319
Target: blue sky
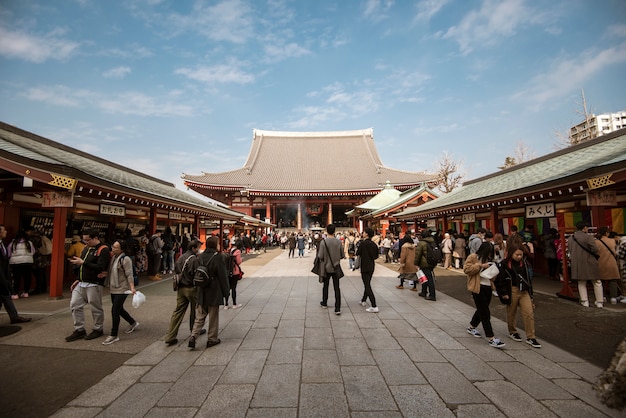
column 167, row 87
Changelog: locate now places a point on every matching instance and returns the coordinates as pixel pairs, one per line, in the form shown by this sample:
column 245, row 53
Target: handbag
column 317, row 264
column 490, row 272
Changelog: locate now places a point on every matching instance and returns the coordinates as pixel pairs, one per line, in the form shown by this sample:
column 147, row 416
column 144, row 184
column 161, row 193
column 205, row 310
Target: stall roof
column 572, row 165
column 22, row 148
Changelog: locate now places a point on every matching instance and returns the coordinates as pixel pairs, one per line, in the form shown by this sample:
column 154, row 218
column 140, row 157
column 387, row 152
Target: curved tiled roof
column 311, row 162
column 573, row 164
column 16, row 144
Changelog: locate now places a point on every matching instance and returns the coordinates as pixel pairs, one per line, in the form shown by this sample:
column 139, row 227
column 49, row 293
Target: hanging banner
column 112, row 210
column 468, row 218
column 604, row 198
column 57, row 200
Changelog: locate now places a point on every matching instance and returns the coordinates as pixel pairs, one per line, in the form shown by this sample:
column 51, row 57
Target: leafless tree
column 565, row 139
column 521, row 154
column 449, row 172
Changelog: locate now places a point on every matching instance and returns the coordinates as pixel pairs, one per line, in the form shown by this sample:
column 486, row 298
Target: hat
column 76, row 238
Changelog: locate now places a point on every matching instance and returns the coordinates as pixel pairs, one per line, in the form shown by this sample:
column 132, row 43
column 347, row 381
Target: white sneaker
column 132, row 327
column 585, row 303
column 599, row 304
column 363, row 303
column 236, row 306
column 110, row 340
column 373, row 309
column 622, row 299
column 225, row 307
column 613, row 301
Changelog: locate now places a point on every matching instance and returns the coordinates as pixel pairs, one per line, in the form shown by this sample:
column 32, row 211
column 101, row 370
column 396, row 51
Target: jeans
column 168, row 260
column 367, row 284
column 117, row 311
column 482, row 314
column 337, row 291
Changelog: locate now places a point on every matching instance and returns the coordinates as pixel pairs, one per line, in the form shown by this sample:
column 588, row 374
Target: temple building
column 306, row 179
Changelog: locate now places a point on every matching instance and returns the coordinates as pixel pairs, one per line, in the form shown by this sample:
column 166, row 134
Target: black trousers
column 337, row 291
column 482, row 314
column 367, row 284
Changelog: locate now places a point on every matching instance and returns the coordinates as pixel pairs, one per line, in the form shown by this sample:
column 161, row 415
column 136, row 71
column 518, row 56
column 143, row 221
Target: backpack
column 434, row 255
column 151, row 247
column 168, row 243
column 351, row 247
column 201, row 277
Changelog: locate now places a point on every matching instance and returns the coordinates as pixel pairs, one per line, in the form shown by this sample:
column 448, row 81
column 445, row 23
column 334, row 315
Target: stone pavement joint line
column 283, row 356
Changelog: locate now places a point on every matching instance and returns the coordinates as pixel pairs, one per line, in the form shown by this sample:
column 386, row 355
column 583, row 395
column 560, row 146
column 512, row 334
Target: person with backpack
column 154, row 248
column 350, row 248
column 212, row 294
column 92, row 264
column 169, row 244
column 185, row 292
column 235, row 273
column 426, row 260
column 476, row 240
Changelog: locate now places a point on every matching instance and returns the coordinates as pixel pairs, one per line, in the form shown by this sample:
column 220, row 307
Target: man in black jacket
column 368, row 252
column 185, row 292
column 210, row 298
column 93, row 265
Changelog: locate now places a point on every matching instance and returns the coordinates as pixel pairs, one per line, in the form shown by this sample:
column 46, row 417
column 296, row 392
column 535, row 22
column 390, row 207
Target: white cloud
column 426, row 9
column 281, row 52
column 34, row 48
column 616, row 31
column 117, row 72
column 376, row 10
column 569, row 74
column 485, row 27
column 128, row 103
column 223, row 73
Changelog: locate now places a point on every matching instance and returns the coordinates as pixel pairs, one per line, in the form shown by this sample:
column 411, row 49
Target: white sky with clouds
column 167, row 87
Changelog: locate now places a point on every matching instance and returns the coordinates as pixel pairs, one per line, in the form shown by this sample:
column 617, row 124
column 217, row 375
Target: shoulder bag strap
column 331, row 259
column 584, row 248
column 608, row 248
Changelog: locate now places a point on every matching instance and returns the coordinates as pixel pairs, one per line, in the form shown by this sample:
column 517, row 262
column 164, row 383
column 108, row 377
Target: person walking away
column 515, row 289
column 330, row 252
column 185, row 292
column 169, row 243
column 155, row 252
column 350, row 248
column 368, row 252
column 21, row 258
column 5, row 286
column 475, row 240
column 120, row 280
column 428, row 287
column 301, row 244
column 607, row 263
column 407, row 268
column 234, row 273
column 481, row 289
column 92, row 265
column 210, row 298
column 292, row 245
column 584, row 264
column 549, row 253
column 385, row 247
column 446, row 248
column 459, row 251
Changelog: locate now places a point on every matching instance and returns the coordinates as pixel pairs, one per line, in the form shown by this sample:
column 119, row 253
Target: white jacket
column 22, row 254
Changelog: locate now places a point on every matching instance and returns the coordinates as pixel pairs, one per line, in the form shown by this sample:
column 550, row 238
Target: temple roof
column 310, row 162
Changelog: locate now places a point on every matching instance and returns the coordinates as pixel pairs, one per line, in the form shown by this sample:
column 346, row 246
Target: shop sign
column 57, row 200
column 468, row 218
column 604, row 198
column 431, row 223
column 112, row 210
column 384, row 222
column 175, row 215
column 541, row 210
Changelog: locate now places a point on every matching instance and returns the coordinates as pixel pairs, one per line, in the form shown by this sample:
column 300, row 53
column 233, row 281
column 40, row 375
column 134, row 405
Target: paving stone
column 290, row 328
column 172, row 367
column 587, row 371
column 136, row 401
column 192, row 388
column 376, row 414
column 533, row 383
column 440, row 339
column 450, row 384
column 272, row 412
column 267, row 320
column 171, row 412
column 258, row 339
column 295, row 312
column 584, row 391
column 245, row 367
column 319, row 319
column 546, row 368
column 76, row 412
column 573, row 408
column 219, row 355
column 278, row 387
column 322, row 400
column 320, row 366
column 478, row 411
column 150, row 355
column 380, row 339
column 400, row 328
column 367, row 320
column 418, row 321
column 318, row 339
column 346, row 329
column 472, row 366
column 285, row 351
column 419, row 401
column 483, row 350
column 512, row 401
column 353, row 351
column 366, row 389
column 227, row 401
column 397, row 368
column 111, row 387
column 236, row 330
column 420, row 350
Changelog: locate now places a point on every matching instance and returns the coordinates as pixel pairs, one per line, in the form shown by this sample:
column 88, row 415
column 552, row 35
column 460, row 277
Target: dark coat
column 368, row 251
column 420, row 253
column 5, row 286
column 216, row 292
column 186, row 275
column 96, row 260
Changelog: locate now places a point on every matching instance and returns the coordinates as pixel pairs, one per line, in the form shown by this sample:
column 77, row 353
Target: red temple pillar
column 57, row 264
